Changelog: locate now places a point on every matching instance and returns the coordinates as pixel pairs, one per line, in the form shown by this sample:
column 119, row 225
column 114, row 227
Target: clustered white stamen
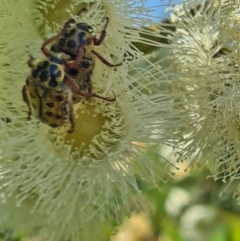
column 205, row 85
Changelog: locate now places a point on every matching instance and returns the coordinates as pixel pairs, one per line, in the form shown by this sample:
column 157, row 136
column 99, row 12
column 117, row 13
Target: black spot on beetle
column 85, row 64
column 58, row 117
column 73, row 71
column 59, row 98
column 44, row 76
column 62, row 42
column 35, row 73
column 81, row 39
column 42, row 65
column 55, row 48
column 50, row 114
column 71, row 44
column 50, row 104
column 53, row 125
column 53, row 83
column 45, row 64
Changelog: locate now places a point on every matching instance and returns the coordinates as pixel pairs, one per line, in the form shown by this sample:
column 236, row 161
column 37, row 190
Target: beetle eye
column 85, row 27
column 85, row 64
column 90, row 30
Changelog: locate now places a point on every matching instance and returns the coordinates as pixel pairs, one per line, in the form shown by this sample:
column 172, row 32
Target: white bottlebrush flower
column 205, row 84
column 66, row 186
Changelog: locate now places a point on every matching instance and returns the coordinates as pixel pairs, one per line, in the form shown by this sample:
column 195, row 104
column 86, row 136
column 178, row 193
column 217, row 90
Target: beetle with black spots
column 75, row 36
column 49, row 92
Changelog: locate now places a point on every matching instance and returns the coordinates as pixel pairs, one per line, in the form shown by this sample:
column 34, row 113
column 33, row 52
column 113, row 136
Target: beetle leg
column 67, row 24
column 104, row 98
column 89, row 88
column 26, row 99
column 86, row 85
column 44, row 49
column 82, row 10
column 71, row 117
column 74, row 63
column 99, row 41
column 71, row 83
column 105, row 61
column 74, row 88
column 30, row 61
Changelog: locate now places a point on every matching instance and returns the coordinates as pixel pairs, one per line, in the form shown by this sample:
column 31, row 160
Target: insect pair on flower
column 60, row 80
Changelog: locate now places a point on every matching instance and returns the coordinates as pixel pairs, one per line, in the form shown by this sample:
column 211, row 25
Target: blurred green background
column 188, row 208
